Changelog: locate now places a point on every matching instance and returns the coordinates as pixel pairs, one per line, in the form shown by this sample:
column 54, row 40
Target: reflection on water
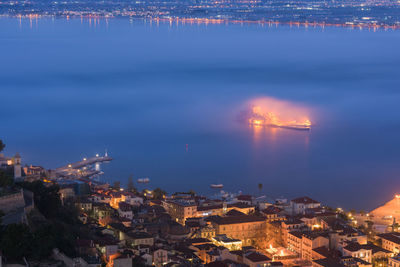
column 70, row 90
column 258, row 131
column 264, row 133
column 273, row 137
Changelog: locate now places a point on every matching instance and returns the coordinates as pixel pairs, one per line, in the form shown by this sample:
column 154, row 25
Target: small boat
column 143, row 180
column 216, row 185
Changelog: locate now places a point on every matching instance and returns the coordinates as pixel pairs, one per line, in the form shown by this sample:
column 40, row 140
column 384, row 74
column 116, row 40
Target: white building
column 357, row 250
column 301, row 204
column 17, row 167
column 125, row 210
column 160, row 257
column 394, row 262
column 134, row 200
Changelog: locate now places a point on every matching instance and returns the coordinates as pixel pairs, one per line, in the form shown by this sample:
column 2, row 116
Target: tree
column 47, row 198
column 43, row 241
column 16, row 241
column 6, row 178
column 159, row 193
column 131, row 187
column 138, row 262
column 2, row 145
column 1, row 218
column 260, row 186
column 192, row 193
column 117, row 185
column 370, row 225
column 60, row 229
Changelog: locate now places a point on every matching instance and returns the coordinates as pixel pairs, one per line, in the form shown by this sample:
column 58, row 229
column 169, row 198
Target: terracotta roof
column 248, row 248
column 210, row 207
column 234, row 212
column 192, row 224
column 198, row 241
column 240, row 205
column 355, row 246
column 236, row 219
column 296, row 234
column 105, row 241
column 392, row 237
column 237, row 252
column 245, row 197
column 323, row 251
column 124, row 206
column 234, row 263
column 272, row 210
column 291, row 221
column 205, row 246
column 314, row 234
column 310, row 235
column 305, row 200
column 376, row 249
column 276, row 263
column 257, row 257
column 328, row 262
column 183, row 203
column 139, row 235
column 226, row 239
column 216, row 264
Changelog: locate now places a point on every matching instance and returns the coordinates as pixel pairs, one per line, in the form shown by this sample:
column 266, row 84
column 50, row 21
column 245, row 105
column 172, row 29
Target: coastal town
column 66, row 217
column 357, row 14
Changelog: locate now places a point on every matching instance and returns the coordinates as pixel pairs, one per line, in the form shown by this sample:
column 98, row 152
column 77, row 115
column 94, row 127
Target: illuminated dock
column 83, row 168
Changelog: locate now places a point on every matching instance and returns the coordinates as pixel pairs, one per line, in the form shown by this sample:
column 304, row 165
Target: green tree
column 370, row 225
column 2, row 145
column 59, row 230
column 117, row 185
column 43, row 242
column 6, row 178
column 131, row 187
column 159, row 193
column 260, row 187
column 47, row 198
column 138, row 262
column 192, row 193
column 1, row 219
column 16, row 240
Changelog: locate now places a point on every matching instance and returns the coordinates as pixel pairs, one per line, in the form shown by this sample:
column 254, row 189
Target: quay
column 82, row 169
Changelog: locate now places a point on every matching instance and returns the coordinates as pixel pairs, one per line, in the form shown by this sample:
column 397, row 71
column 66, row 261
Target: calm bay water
column 70, row 89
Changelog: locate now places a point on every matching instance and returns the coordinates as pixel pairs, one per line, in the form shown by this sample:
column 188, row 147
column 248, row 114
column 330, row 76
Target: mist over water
column 69, row 89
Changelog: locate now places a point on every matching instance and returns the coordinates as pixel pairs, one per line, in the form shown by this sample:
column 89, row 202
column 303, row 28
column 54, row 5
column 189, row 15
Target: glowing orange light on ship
column 277, row 113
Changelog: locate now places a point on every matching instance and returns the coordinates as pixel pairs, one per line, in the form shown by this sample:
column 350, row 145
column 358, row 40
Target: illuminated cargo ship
column 258, row 118
column 294, row 126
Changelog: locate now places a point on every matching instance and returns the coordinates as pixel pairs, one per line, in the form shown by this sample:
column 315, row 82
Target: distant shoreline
column 212, row 21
